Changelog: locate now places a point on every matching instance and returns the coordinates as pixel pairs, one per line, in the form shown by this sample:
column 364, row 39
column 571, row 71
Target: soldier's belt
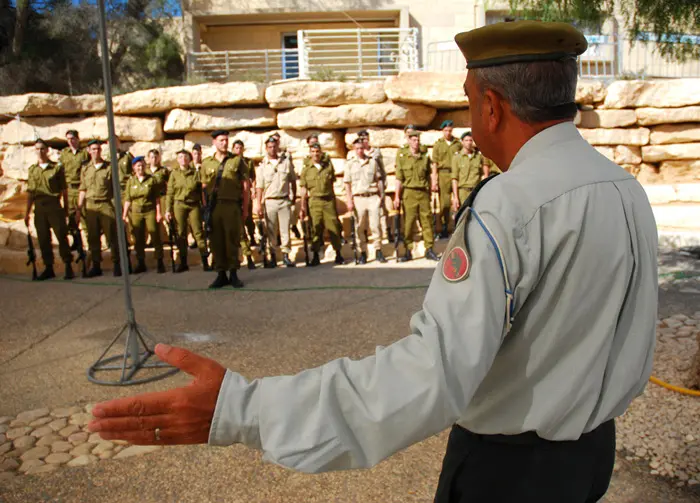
column 471, row 187
column 277, row 197
column 322, row 198
column 365, row 194
column 45, row 200
column 143, row 209
column 417, row 189
column 74, row 185
column 98, row 201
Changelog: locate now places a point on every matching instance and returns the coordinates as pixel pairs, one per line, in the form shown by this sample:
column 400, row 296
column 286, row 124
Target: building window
column 290, row 56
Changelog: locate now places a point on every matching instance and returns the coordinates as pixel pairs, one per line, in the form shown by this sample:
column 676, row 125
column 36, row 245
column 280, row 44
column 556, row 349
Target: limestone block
column 294, row 94
column 439, row 90
column 378, row 136
column 210, row 119
column 346, row 116
column 18, row 158
column 625, row 154
column 332, row 142
column 637, row 136
column 168, row 150
column 150, row 101
column 675, row 133
column 461, row 118
column 680, row 171
column 657, row 93
column 607, row 118
column 53, row 129
column 646, row 174
column 673, row 193
column 589, row 92
column 608, row 152
column 679, row 151
column 651, row 116
column 32, row 104
column 253, row 141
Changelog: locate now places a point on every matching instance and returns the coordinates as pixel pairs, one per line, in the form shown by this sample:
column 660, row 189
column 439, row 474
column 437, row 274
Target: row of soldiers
column 221, row 185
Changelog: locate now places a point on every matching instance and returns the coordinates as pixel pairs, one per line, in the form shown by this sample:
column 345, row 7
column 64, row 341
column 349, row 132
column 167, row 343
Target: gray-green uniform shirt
column 577, row 244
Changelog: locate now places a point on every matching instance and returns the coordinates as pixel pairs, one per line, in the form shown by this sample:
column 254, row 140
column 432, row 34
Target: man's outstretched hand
column 183, row 415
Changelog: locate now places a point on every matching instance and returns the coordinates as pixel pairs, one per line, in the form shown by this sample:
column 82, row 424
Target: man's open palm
column 182, row 415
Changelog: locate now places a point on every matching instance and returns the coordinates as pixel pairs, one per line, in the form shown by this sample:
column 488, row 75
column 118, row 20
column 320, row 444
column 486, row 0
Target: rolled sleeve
column 351, row 414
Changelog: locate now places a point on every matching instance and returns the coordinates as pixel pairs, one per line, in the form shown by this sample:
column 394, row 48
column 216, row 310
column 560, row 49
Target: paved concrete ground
column 52, row 332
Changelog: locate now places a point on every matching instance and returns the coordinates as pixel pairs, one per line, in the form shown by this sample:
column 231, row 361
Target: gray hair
column 536, row 91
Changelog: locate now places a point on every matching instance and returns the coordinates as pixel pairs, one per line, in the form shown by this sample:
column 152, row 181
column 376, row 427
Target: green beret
column 446, row 123
column 465, row 134
column 520, row 42
column 409, row 126
column 414, row 133
column 94, row 142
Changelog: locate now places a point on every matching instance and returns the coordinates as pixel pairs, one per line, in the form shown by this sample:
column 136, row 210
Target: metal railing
column 605, row 58
column 346, row 54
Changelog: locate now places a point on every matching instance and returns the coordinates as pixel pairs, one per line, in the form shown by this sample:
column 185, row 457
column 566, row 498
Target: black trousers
column 526, row 468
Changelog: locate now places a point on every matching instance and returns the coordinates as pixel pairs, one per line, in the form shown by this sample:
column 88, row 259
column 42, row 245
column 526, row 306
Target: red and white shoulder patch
column 456, row 261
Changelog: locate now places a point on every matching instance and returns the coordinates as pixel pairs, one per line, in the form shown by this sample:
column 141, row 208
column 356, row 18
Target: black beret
column 465, row 134
column 72, row 132
column 357, row 140
column 197, row 146
column 219, row 132
column 363, row 134
column 95, row 142
column 41, row 142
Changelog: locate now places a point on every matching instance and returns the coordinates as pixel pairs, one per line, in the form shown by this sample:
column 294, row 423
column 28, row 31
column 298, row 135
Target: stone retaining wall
column 649, row 128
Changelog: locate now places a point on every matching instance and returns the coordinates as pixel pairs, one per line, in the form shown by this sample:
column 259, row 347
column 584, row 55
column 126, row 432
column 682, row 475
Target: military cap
column 197, row 147
column 357, row 140
column 41, row 142
column 447, row 123
column 414, row 133
column 465, row 134
column 363, row 134
column 94, row 142
column 409, row 126
column 312, row 135
column 520, row 42
column 270, row 139
column 72, row 132
column 315, row 145
column 184, row 151
column 219, row 132
column 139, row 158
column 239, row 142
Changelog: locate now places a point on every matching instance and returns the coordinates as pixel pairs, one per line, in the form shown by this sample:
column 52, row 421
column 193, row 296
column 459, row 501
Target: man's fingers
column 148, row 404
column 148, row 437
column 132, row 423
column 188, row 361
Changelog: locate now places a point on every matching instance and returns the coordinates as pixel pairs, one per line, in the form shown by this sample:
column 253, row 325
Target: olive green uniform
column 161, row 176
column 319, row 184
column 45, row 186
column 225, row 238
column 125, row 170
column 184, row 201
column 144, row 196
column 99, row 210
column 493, row 169
column 414, row 174
column 443, row 152
column 248, row 224
column 467, row 170
column 73, row 164
column 405, row 149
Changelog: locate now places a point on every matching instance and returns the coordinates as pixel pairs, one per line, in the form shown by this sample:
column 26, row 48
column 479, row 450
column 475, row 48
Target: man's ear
column 492, row 109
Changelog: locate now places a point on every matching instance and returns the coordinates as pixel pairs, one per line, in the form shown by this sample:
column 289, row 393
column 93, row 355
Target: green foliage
column 662, row 21
column 325, row 74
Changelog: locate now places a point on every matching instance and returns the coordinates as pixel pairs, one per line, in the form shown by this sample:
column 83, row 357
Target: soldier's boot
column 47, row 274
column 160, row 269
column 379, row 256
column 279, row 240
column 430, row 255
column 406, row 257
column 140, row 267
column 205, row 263
column 316, row 260
column 273, row 260
column 193, row 246
column 220, row 281
column 94, row 271
column 117, row 270
column 295, row 231
column 339, row 258
column 68, row 274
column 251, row 264
column 363, row 258
column 286, row 260
column 253, row 242
column 235, row 282
column 182, row 266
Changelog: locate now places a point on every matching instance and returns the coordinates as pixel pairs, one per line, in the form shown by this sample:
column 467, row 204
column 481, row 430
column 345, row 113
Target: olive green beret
column 519, row 42
column 413, row 133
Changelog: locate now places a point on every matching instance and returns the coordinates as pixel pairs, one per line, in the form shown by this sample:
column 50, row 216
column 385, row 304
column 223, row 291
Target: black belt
column 416, row 189
column 323, row 198
column 46, row 200
column 74, row 185
column 99, row 201
column 278, row 198
column 527, row 437
column 364, row 194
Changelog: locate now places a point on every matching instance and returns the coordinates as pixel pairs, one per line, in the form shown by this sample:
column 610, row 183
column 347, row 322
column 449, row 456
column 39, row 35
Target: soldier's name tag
column 456, row 261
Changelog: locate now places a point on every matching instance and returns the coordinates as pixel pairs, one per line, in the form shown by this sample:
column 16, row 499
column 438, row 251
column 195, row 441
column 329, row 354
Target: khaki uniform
column 414, row 175
column 73, row 164
column 443, row 152
column 99, row 210
column 318, row 180
column 376, row 154
column 184, row 201
column 276, row 178
column 125, row 169
column 225, row 239
column 144, row 196
column 363, row 177
column 248, row 224
column 467, row 169
column 45, row 185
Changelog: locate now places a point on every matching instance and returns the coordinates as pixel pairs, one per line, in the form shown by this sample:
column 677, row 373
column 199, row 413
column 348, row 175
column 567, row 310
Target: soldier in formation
column 225, row 180
column 443, row 152
column 247, row 225
column 96, row 203
column 184, row 204
column 414, row 180
column 73, row 158
column 468, row 168
column 142, row 212
column 46, row 186
column 318, row 197
column 363, row 186
column 276, row 191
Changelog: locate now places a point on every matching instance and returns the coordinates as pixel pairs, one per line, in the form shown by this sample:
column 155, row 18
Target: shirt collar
column 562, row 132
column 44, row 165
column 99, row 166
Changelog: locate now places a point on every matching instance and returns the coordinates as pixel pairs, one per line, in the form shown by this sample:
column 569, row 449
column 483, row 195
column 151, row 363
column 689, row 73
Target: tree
column 667, row 23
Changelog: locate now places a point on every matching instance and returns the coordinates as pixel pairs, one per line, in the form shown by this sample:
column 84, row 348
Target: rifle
column 263, row 242
column 306, row 233
column 353, row 237
column 174, row 239
column 31, row 254
column 211, row 200
column 78, row 246
column 434, row 208
column 397, row 231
